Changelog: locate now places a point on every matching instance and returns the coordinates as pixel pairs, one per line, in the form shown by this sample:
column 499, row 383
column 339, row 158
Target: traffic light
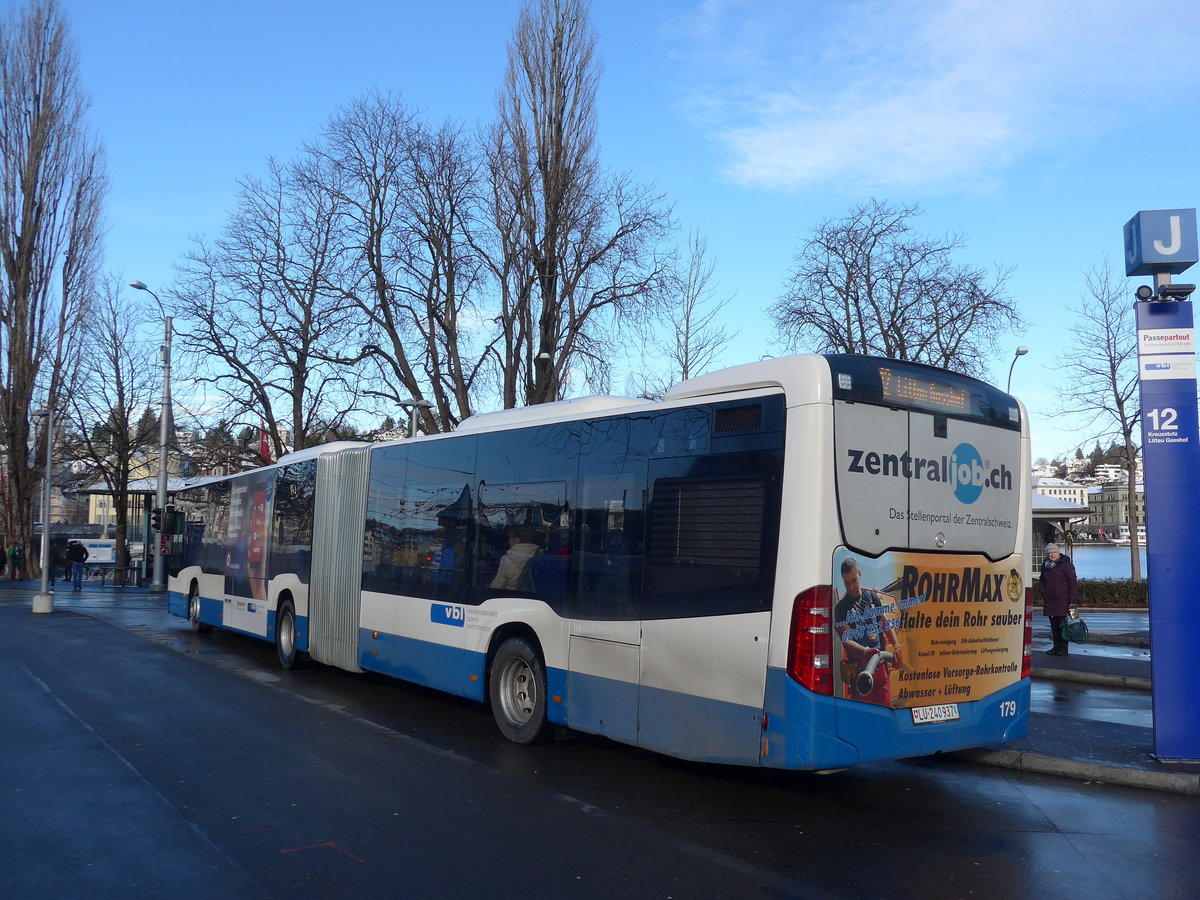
column 156, row 519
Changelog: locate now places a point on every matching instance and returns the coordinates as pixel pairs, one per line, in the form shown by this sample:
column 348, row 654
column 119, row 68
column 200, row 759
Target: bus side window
column 523, row 543
column 526, row 480
column 611, row 537
column 611, row 516
column 436, row 521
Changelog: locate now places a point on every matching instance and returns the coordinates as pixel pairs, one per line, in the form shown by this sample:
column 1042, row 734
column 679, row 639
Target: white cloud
column 925, row 94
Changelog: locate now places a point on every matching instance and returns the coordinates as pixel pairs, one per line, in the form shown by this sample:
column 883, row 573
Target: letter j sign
column 1160, row 240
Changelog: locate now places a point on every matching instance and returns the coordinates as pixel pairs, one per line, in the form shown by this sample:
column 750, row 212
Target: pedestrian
column 1059, row 592
column 77, row 555
column 16, row 561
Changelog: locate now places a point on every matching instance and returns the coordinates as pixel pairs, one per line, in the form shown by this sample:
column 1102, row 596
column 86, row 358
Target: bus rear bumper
column 810, row 731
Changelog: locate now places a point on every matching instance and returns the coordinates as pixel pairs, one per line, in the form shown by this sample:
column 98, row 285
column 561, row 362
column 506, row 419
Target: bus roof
column 803, row 378
column 547, row 412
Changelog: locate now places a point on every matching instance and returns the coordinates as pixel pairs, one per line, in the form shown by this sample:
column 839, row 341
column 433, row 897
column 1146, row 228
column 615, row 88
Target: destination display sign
column 924, row 393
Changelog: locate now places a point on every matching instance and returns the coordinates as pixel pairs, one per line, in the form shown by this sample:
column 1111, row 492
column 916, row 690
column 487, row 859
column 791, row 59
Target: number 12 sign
column 1167, row 370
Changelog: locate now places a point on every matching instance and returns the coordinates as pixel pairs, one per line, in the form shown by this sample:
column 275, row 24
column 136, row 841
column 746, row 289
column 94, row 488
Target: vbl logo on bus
column 443, row 614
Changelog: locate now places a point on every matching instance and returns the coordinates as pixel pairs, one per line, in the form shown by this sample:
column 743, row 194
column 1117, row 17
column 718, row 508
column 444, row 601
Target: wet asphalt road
column 167, row 764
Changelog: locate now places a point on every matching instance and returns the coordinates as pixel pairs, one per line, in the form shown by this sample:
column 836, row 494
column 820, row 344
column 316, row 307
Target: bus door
column 713, row 540
column 606, row 629
column 247, row 548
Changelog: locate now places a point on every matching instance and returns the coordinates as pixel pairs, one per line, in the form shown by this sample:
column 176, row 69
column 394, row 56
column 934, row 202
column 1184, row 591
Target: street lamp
column 158, row 583
column 413, row 406
column 543, row 368
column 1021, row 351
column 43, row 600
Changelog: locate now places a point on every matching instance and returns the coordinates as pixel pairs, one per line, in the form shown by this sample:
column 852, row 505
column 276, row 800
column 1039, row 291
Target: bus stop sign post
column 1162, row 243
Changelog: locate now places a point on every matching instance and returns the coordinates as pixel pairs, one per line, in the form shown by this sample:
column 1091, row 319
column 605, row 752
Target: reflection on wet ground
column 1122, row 706
column 1101, row 651
column 1098, row 703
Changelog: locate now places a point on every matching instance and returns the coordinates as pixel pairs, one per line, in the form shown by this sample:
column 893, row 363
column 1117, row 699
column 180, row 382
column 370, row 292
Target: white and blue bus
column 803, row 563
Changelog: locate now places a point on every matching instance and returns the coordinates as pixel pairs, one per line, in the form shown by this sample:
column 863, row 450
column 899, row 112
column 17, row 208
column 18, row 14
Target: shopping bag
column 1075, row 630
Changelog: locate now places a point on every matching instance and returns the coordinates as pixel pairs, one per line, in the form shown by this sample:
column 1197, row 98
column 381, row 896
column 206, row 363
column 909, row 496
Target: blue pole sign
column 1160, row 240
column 1171, row 455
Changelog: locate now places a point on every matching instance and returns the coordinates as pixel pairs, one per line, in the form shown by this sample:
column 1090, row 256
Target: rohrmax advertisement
column 922, row 629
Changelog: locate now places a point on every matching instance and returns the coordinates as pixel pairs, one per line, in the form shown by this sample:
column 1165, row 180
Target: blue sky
column 1036, row 128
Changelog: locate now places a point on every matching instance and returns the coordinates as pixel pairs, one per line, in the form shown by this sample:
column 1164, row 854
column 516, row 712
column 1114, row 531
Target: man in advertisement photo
column 869, row 646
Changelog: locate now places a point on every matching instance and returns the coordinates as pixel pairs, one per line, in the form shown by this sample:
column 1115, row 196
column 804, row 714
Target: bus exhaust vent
column 712, row 524
column 738, row 418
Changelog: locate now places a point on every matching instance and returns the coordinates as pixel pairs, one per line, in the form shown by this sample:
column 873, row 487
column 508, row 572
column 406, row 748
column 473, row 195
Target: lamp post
column 413, row 406
column 43, row 600
column 1021, row 351
column 542, row 368
column 158, row 582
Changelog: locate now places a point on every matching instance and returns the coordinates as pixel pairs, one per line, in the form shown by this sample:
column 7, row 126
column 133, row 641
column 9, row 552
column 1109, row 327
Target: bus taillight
column 1027, row 657
column 810, row 648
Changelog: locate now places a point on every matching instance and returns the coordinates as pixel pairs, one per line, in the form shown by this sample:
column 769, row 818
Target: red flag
column 264, row 448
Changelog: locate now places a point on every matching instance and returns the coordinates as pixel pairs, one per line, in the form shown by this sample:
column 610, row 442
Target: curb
column 1173, row 782
column 1117, row 639
column 1108, row 639
column 1037, row 610
column 1133, row 682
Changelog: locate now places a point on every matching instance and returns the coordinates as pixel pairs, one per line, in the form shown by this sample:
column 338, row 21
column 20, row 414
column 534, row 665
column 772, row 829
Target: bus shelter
column 1052, row 522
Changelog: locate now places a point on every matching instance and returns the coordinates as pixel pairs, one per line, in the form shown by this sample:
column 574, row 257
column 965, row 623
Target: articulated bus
column 802, row 563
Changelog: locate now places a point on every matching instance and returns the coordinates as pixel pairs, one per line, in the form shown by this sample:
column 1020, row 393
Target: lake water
column 1104, row 561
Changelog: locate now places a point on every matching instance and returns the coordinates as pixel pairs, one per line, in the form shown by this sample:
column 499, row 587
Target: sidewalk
column 1091, row 749
column 1066, row 740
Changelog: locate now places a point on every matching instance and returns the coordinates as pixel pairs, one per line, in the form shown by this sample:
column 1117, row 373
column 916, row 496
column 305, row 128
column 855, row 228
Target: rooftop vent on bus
column 738, row 418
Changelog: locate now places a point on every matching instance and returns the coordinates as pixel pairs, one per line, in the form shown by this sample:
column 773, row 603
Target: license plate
column 923, row 715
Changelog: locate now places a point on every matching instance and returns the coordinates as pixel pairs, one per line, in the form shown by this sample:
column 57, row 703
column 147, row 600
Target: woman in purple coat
column 1058, row 588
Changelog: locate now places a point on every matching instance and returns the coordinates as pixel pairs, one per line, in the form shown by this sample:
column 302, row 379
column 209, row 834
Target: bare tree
column 216, row 451
column 688, row 334
column 53, row 185
column 117, row 380
column 573, row 248
column 1100, row 378
column 258, row 317
column 866, row 284
column 407, row 196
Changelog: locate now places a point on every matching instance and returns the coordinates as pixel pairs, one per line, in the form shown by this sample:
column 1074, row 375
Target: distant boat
column 1122, row 537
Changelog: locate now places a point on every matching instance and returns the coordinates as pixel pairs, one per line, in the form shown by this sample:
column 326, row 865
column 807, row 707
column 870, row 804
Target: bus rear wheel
column 193, row 601
column 285, row 635
column 517, row 691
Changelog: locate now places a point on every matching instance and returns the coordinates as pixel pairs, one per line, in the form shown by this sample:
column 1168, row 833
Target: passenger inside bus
column 513, row 572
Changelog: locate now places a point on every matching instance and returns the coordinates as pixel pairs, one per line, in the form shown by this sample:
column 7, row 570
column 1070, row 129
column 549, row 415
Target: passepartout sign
column 1167, row 340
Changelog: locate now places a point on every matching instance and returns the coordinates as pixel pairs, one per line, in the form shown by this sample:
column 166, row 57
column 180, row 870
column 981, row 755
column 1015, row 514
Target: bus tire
column 517, row 691
column 285, row 635
column 193, row 601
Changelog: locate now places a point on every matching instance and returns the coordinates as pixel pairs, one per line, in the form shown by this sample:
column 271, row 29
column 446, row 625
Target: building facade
column 1110, row 507
column 1061, row 489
